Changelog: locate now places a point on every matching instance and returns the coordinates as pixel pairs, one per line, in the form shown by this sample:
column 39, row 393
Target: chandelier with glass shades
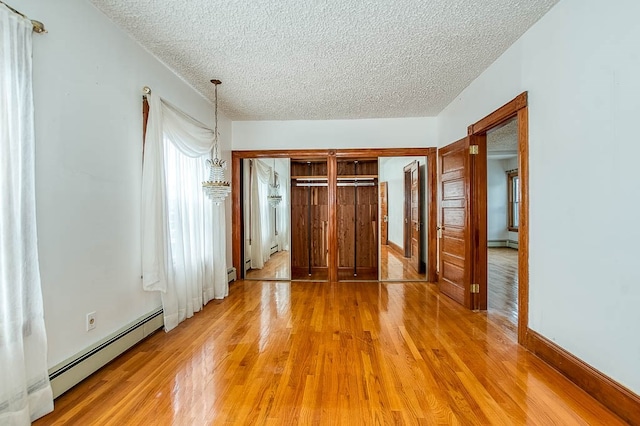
column 274, row 196
column 216, row 188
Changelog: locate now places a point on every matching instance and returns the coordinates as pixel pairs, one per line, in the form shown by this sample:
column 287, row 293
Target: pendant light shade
column 274, row 196
column 216, row 188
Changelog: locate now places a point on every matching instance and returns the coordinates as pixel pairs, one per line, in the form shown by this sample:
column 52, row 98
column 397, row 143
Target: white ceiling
column 327, row 59
column 502, row 143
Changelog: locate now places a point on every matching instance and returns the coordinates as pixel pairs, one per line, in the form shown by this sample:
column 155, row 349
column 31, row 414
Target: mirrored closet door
column 267, row 225
column 404, row 217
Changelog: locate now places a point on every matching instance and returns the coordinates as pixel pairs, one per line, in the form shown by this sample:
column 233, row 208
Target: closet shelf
column 357, row 177
column 320, row 178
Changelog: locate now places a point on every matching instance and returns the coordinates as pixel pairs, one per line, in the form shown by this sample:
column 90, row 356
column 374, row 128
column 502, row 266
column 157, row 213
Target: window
column 513, row 186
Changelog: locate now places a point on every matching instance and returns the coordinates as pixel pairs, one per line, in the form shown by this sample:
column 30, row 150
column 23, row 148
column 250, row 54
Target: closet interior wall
column 309, row 220
column 357, row 219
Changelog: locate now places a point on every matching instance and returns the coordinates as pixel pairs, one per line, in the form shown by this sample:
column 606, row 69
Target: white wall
column 497, row 214
column 88, row 78
column 391, row 170
column 580, row 64
column 308, row 134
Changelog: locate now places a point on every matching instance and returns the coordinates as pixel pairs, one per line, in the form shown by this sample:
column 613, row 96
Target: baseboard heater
column 503, row 243
column 273, row 250
column 77, row 368
column 231, row 274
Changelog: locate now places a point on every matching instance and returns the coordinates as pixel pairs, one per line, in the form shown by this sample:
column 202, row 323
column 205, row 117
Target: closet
column 309, row 220
column 357, row 219
column 334, row 211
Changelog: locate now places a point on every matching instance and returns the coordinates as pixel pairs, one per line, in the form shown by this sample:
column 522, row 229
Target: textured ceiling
column 327, row 59
column 503, row 140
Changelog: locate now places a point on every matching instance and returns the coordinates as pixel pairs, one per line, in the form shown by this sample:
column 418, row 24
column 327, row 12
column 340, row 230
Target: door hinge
column 473, row 149
column 475, row 288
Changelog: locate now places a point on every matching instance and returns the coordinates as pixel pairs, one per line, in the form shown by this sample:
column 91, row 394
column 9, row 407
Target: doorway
column 463, row 227
column 503, row 195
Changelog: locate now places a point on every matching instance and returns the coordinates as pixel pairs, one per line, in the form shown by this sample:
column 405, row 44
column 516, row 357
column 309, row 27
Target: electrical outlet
column 91, row 321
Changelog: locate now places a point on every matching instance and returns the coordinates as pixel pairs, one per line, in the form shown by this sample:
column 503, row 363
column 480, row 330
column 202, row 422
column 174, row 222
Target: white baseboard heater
column 231, row 274
column 73, row 370
column 77, row 368
column 503, row 243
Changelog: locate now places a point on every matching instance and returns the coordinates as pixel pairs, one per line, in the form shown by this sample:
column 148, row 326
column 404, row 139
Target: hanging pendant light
column 274, row 196
column 216, row 188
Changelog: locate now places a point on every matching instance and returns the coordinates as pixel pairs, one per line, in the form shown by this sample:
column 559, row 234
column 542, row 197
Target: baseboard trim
column 80, row 366
column 396, row 248
column 503, row 243
column 610, row 393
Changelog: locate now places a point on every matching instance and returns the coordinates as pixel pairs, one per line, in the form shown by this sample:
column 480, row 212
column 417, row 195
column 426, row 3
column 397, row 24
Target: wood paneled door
column 413, row 219
column 455, row 222
column 384, row 214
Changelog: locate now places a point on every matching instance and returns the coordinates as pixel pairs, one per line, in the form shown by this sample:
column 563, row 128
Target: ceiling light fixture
column 274, row 196
column 216, row 187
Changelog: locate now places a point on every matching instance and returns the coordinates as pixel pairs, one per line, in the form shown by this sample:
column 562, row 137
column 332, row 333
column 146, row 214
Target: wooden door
column 384, row 211
column 412, row 171
column 455, row 222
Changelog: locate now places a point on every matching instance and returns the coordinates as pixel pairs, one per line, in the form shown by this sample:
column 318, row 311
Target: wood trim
column 478, row 212
column 396, row 248
column 237, row 226
column 384, row 152
column 523, row 226
column 278, row 153
column 610, row 393
column 505, row 112
column 432, row 234
column 332, row 195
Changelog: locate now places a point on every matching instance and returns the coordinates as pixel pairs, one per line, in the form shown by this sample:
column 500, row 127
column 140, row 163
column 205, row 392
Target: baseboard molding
column 393, row 246
column 610, row 393
column 503, row 243
column 497, row 243
column 80, row 366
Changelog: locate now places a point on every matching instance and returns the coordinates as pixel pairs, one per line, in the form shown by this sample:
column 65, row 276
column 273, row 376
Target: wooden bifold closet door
column 309, row 220
column 357, row 219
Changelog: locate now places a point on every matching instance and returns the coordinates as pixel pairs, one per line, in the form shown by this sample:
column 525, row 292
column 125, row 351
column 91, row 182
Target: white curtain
column 25, row 392
column 261, row 223
column 183, row 232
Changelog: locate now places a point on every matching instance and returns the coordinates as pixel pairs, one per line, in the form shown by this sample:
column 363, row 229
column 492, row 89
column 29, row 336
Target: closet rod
column 338, row 184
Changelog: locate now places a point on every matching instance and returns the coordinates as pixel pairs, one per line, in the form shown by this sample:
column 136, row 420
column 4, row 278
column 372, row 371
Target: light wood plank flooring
column 503, row 283
column 330, row 353
column 277, row 267
column 393, row 266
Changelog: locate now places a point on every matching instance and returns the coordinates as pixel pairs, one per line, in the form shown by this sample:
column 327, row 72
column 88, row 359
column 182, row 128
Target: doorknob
column 385, row 218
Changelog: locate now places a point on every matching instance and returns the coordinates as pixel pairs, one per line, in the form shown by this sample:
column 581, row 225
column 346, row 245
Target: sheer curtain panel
column 183, row 233
column 25, row 392
column 261, row 225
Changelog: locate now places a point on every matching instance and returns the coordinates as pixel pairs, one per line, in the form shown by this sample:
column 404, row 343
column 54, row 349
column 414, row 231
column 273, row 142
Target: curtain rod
column 38, row 27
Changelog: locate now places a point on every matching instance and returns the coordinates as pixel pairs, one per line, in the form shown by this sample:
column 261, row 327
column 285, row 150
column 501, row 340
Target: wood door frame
column 517, row 107
column 332, row 156
column 406, row 215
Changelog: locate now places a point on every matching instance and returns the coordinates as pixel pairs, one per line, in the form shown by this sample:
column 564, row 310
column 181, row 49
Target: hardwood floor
column 277, row 268
column 393, row 266
column 280, row 353
column 503, row 283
